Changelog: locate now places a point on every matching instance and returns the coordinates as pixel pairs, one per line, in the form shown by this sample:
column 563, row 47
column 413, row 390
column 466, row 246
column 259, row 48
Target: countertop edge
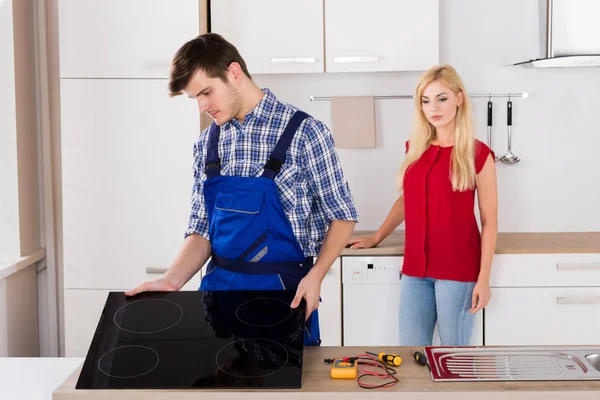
column 507, row 243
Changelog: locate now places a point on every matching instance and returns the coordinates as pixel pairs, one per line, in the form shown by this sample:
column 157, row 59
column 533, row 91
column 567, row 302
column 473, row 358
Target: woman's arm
column 487, row 193
column 394, row 218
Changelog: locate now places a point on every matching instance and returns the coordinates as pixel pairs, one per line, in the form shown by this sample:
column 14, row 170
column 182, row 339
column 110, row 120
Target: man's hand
column 309, row 288
column 158, row 285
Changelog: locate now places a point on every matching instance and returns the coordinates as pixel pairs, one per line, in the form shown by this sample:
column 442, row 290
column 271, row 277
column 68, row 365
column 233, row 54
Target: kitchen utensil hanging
column 489, row 125
column 509, row 157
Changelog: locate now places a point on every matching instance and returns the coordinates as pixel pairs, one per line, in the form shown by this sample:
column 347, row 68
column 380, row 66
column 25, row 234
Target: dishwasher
column 371, row 302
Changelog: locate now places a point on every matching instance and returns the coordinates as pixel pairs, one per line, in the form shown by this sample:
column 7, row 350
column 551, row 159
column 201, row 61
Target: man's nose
column 202, row 105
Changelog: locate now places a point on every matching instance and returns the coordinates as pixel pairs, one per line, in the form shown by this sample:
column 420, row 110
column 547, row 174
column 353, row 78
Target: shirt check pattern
column 311, row 183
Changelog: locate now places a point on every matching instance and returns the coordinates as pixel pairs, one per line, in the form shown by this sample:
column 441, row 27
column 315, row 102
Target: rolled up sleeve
column 325, row 175
column 198, row 221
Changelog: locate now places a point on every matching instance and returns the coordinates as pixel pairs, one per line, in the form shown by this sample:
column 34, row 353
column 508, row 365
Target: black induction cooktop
column 160, row 340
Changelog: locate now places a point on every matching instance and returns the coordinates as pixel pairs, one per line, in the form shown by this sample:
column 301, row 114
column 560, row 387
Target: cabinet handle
column 355, row 59
column 578, row 300
column 293, row 60
column 578, row 267
column 155, row 270
column 157, row 65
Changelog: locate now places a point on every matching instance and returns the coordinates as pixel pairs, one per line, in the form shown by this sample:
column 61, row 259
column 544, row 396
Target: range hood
column 569, row 34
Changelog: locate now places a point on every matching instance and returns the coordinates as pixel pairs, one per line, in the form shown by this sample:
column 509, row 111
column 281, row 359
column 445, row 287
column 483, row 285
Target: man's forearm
column 192, row 256
column 335, row 241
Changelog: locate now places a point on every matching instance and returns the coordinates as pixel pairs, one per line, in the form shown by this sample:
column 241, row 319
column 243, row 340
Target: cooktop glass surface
column 236, row 339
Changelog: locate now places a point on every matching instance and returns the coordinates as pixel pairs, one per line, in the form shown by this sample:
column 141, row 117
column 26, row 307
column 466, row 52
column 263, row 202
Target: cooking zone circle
column 252, row 358
column 148, row 316
column 128, row 361
column 263, row 312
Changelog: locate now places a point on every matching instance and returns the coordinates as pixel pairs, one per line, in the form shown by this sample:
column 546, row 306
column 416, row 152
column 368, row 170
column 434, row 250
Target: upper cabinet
column 273, row 36
column 381, row 35
column 123, row 39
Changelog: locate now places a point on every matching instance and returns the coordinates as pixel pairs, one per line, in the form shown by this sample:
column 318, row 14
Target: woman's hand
column 363, row 242
column 481, row 296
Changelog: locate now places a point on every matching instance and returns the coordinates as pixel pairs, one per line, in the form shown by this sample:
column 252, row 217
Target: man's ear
column 235, row 72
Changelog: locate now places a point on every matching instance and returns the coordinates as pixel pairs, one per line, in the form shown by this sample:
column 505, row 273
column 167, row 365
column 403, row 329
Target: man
column 269, row 192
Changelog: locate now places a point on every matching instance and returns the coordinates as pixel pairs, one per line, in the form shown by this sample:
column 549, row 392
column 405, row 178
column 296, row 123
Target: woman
column 447, row 261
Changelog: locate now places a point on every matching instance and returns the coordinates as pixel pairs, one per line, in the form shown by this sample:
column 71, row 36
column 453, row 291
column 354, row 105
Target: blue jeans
column 423, row 301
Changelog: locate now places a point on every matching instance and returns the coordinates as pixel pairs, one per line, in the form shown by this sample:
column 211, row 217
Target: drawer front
column 543, row 316
column 539, row 270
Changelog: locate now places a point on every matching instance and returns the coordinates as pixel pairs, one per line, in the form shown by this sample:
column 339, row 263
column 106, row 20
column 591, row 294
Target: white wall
column 555, row 187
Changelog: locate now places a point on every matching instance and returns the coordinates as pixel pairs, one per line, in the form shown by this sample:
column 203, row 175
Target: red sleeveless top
column 442, row 238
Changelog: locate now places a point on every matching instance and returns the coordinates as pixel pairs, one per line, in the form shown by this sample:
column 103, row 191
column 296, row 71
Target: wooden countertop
column 415, row 383
column 507, row 243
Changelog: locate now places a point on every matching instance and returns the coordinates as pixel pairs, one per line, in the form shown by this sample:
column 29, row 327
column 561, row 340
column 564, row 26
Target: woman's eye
column 425, row 102
column 443, row 99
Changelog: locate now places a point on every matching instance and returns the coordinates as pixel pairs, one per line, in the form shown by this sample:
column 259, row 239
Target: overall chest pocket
column 238, row 222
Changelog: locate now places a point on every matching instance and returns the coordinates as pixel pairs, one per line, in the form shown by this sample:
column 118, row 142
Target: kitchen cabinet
column 381, row 35
column 543, row 316
column 330, row 35
column 123, row 39
column 546, row 270
column 273, row 36
column 542, row 299
column 126, row 179
column 330, row 309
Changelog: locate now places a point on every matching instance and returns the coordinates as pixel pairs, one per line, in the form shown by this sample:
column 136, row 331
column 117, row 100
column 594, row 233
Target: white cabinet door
column 123, row 39
column 381, row 35
column 330, row 310
column 273, row 36
column 126, row 178
column 543, row 316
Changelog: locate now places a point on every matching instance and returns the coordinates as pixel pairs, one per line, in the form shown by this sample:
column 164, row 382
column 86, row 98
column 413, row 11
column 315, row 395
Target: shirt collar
column 263, row 110
column 265, row 107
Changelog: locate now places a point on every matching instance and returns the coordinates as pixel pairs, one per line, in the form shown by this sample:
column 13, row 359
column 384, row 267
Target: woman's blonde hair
column 462, row 165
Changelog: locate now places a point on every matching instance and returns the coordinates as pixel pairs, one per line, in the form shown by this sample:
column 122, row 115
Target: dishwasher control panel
column 371, row 269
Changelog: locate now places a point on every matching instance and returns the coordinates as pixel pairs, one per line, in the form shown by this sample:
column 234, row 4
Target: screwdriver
column 393, row 360
column 420, row 357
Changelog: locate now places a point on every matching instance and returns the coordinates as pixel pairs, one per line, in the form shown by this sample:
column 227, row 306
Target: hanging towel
column 353, row 122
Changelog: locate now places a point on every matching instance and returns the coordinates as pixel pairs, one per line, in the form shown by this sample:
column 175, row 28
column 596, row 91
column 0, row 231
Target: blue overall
column 253, row 244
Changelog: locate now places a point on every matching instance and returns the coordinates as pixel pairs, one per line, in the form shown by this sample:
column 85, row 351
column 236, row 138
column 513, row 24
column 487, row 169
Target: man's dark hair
column 210, row 53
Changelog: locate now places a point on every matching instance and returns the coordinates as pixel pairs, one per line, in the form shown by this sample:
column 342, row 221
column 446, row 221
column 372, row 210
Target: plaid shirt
column 311, row 183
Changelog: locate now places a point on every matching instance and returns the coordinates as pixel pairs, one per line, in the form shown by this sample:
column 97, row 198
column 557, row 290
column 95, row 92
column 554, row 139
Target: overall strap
column 277, row 158
column 212, row 166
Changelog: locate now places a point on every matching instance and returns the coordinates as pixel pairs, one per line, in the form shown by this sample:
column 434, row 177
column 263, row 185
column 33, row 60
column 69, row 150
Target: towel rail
column 410, row 96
